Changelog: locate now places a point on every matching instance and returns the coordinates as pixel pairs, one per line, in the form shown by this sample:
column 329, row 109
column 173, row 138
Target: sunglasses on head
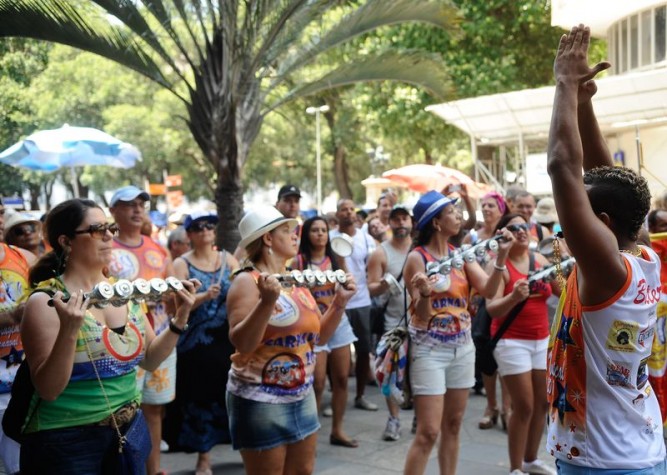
column 515, row 228
column 99, row 230
column 198, row 227
column 23, row 229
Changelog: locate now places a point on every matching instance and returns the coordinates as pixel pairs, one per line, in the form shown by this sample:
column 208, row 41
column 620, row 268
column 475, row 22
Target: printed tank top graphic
column 449, row 322
column 13, row 283
column 323, row 294
column 281, row 368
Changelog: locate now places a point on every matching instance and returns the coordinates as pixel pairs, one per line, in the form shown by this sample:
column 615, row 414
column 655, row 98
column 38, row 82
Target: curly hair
column 622, row 194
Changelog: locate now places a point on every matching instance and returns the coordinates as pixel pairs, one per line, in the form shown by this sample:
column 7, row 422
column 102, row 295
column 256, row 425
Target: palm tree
column 232, row 62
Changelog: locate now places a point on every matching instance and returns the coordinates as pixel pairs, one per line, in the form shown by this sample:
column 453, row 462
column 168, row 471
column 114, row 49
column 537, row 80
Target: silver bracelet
column 500, row 268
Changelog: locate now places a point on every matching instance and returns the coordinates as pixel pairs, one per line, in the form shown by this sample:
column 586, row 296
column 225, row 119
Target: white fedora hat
column 260, row 221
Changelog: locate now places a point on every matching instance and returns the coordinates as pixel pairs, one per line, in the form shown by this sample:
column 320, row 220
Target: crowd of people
column 242, row 350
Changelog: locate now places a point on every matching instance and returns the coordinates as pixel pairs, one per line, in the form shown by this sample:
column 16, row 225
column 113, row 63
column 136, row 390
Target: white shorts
column 158, row 387
column 343, row 336
column 520, row 356
column 433, row 370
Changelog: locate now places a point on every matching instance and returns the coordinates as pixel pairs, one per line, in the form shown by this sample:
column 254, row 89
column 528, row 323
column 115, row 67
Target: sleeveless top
column 323, row 294
column 603, row 411
column 116, row 358
column 13, row 285
column 449, row 323
column 395, row 263
column 532, row 323
column 280, row 369
column 146, row 261
column 210, row 314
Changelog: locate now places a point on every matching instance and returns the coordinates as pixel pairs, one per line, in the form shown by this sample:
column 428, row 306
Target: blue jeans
column 565, row 468
column 84, row 450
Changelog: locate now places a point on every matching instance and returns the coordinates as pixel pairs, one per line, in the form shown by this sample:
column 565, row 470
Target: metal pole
column 319, row 163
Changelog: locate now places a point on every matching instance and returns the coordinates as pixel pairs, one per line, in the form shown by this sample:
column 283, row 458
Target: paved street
column 482, row 452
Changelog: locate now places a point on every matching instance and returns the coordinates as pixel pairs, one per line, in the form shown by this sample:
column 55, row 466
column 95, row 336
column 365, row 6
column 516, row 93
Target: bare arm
column 249, row 309
column 418, row 286
column 49, row 339
column 332, row 316
column 487, row 283
column 596, row 152
column 593, row 244
column 376, row 268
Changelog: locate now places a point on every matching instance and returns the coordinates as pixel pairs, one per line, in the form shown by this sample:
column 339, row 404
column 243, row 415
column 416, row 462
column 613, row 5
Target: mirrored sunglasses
column 200, row 226
column 515, row 228
column 23, row 229
column 99, row 230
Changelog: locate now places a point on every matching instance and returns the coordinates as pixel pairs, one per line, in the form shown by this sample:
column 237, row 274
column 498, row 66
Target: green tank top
column 116, row 357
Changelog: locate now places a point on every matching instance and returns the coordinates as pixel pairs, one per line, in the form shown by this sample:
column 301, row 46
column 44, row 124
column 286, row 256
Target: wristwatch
column 176, row 329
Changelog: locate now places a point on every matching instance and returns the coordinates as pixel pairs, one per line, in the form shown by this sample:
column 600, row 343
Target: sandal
column 349, row 443
column 490, row 419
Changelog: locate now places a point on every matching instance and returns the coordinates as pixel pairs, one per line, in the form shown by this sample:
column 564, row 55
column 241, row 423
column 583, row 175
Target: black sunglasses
column 99, row 230
column 22, row 230
column 199, row 227
column 515, row 228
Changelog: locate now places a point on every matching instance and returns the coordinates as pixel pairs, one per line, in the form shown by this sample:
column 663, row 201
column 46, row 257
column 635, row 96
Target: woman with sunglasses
column 521, row 352
column 494, row 207
column 315, row 253
column 274, row 328
column 442, row 355
column 83, row 359
column 197, row 420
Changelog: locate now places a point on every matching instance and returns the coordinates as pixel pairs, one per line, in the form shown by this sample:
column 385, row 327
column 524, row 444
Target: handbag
column 481, row 331
column 18, row 407
column 391, row 360
column 134, row 445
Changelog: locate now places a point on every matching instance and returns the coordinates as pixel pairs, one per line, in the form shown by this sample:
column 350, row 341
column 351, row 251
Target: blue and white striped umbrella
column 49, row 150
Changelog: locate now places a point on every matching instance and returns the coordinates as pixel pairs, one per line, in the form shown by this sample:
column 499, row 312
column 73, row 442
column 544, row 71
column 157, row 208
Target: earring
column 270, row 251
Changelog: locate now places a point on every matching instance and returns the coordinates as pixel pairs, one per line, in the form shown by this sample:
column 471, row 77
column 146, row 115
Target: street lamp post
column 317, row 111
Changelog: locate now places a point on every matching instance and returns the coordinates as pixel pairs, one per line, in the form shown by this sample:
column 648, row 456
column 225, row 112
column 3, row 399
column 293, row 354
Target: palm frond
column 59, row 22
column 425, row 70
column 373, row 15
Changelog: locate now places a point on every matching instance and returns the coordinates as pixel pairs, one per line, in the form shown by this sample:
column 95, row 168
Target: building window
column 639, row 41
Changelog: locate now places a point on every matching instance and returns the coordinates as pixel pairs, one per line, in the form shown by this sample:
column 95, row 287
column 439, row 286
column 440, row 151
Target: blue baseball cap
column 428, row 207
column 128, row 193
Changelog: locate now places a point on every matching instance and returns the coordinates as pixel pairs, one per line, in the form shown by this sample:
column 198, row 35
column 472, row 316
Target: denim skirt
column 260, row 425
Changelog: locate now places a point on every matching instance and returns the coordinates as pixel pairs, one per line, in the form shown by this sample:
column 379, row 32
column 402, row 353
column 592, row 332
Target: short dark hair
column 623, row 195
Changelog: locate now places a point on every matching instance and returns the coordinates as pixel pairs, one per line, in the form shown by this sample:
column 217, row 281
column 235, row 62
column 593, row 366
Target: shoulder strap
column 517, row 308
column 540, row 232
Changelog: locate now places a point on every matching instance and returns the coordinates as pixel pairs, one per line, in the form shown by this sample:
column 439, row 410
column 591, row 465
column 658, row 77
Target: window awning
column 622, row 102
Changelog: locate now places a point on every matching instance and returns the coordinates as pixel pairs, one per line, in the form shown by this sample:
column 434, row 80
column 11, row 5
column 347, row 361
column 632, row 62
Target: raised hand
column 520, row 291
column 269, row 287
column 571, row 63
column 422, row 283
column 344, row 292
column 586, row 91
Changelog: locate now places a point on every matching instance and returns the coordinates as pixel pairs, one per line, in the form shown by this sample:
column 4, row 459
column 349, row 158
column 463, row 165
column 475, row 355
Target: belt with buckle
column 123, row 415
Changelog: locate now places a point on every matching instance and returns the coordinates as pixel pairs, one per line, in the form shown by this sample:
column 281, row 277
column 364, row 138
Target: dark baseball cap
column 289, row 190
column 397, row 209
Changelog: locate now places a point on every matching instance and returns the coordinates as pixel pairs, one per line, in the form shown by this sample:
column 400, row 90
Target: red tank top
column 532, row 322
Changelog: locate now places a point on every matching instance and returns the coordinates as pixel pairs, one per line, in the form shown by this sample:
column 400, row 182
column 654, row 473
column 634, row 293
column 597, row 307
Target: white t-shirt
column 363, row 246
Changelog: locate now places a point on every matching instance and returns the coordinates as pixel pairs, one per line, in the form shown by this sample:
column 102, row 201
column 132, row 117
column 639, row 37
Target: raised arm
column 596, row 151
column 589, row 238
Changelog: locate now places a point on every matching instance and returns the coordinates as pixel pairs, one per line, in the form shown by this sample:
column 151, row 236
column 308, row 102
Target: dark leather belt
column 123, row 415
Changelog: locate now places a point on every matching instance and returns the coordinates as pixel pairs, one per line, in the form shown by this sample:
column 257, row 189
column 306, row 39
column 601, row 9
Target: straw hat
column 545, row 212
column 260, row 221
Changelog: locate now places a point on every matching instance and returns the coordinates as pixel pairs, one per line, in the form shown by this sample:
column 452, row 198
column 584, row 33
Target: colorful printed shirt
column 13, row 284
column 115, row 357
column 280, row 370
column 449, row 324
column 603, row 411
column 146, row 261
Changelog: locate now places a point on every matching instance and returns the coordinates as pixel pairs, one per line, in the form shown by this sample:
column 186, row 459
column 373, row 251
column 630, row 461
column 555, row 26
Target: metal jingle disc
column 174, row 284
column 457, row 262
column 102, row 291
column 492, row 245
column 330, row 276
column 297, row 277
column 320, row 277
column 432, row 268
column 123, row 289
column 340, row 276
column 158, row 286
column 469, row 256
column 309, row 276
column 141, row 288
column 445, row 268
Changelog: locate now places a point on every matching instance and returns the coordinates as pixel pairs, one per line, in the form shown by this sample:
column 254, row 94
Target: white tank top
column 603, row 412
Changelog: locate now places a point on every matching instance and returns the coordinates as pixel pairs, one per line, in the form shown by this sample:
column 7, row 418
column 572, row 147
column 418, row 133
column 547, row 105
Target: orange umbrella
column 423, row 177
